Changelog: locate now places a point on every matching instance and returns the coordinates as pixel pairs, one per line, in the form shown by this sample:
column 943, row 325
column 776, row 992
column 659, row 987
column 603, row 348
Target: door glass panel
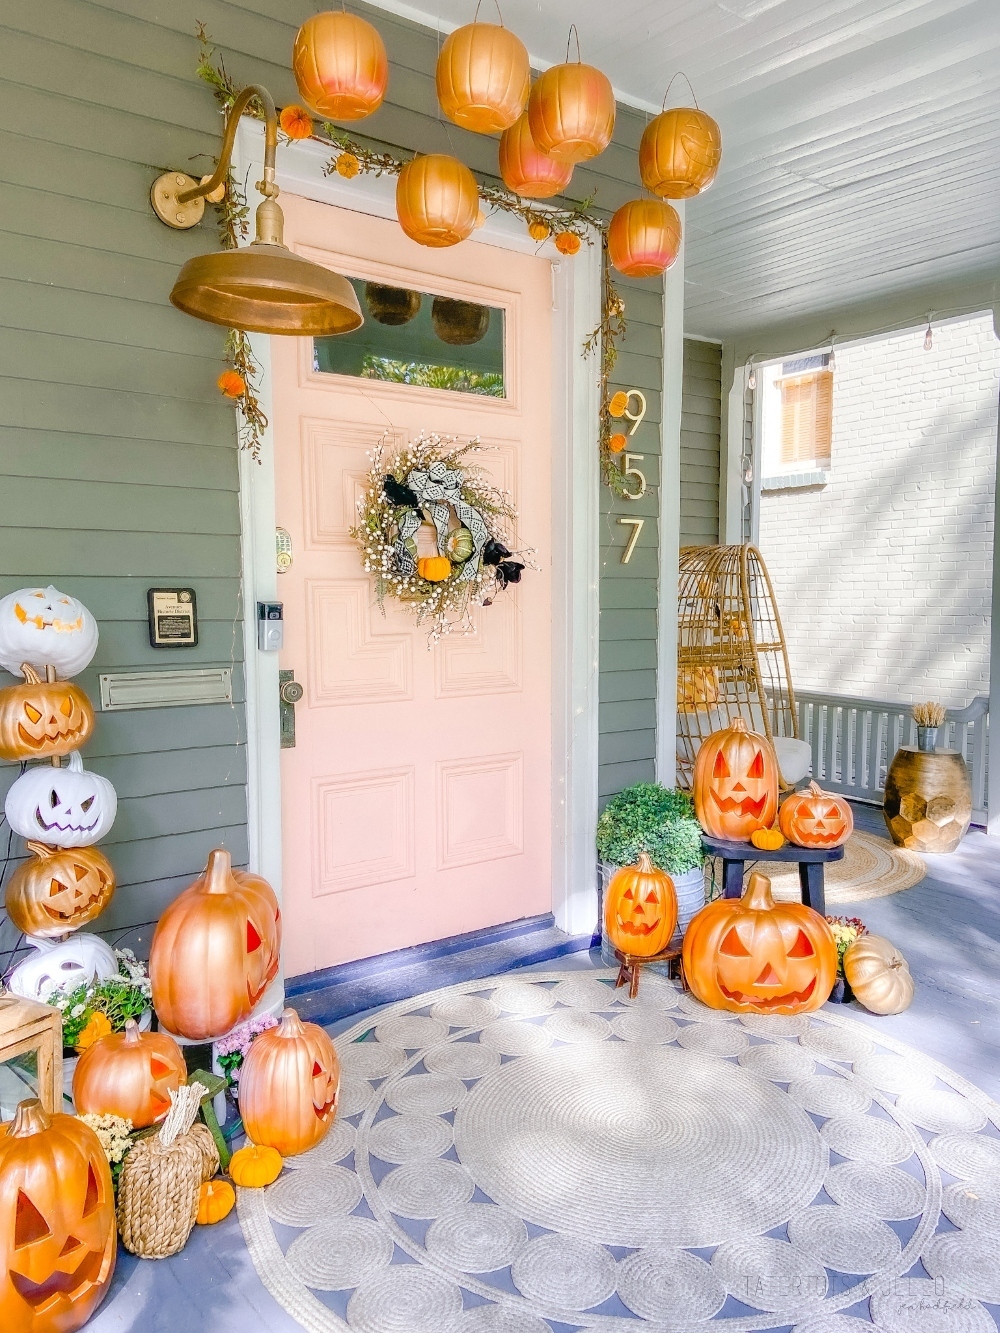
column 411, row 337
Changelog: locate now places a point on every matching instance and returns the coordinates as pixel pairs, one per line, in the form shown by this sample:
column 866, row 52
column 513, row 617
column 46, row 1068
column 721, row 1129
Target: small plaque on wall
column 173, row 617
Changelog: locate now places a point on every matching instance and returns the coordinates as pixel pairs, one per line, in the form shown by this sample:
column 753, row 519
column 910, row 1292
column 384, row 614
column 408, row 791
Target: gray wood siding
column 701, row 426
column 118, row 466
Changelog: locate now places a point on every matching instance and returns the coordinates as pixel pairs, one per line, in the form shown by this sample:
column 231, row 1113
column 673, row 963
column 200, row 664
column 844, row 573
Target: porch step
column 351, row 988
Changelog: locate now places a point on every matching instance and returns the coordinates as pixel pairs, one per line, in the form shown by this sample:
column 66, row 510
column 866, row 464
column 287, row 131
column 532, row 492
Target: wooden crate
column 25, row 1026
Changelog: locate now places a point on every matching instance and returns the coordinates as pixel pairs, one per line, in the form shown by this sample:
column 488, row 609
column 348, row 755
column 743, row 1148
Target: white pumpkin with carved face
column 63, row 807
column 76, row 962
column 46, row 627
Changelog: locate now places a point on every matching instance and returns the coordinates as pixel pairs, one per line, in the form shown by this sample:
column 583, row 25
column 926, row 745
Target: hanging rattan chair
column 731, row 658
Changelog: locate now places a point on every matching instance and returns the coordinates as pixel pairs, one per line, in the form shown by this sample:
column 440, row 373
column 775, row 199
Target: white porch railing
column 853, row 742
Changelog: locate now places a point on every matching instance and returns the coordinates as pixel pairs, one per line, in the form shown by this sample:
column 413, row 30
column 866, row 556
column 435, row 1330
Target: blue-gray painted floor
column 948, row 927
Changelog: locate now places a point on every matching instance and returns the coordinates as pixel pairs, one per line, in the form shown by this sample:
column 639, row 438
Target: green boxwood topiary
column 648, row 817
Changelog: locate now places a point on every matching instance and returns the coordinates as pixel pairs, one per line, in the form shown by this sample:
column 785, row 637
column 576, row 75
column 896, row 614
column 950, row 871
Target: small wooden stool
column 631, row 968
column 811, row 861
column 26, row 1025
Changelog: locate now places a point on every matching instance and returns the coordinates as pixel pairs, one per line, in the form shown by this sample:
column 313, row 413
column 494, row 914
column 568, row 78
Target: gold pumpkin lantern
column 571, row 111
column 437, row 200
column 340, row 65
column 679, row 153
column 483, row 77
column 644, row 238
column 526, row 169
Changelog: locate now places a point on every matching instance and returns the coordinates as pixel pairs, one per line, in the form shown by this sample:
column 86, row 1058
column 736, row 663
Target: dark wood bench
column 811, row 861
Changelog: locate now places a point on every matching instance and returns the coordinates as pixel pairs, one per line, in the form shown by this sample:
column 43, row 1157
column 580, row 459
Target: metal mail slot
column 166, row 689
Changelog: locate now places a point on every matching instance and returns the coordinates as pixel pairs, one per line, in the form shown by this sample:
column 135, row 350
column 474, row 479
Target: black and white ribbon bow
column 438, row 489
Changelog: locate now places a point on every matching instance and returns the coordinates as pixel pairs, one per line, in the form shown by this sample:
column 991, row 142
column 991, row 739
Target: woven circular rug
column 872, row 868
column 538, row 1154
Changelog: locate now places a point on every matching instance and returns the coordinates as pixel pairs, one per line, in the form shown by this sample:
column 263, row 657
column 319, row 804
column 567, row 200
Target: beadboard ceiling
column 861, row 139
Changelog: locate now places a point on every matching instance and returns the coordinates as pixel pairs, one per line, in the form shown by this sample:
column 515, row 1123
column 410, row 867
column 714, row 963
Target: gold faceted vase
column 928, row 799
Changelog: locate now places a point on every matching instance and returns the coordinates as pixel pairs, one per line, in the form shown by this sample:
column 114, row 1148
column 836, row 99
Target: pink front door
column 416, row 802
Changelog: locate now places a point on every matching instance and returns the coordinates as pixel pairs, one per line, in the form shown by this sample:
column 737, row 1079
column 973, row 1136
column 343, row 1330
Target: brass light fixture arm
column 179, row 200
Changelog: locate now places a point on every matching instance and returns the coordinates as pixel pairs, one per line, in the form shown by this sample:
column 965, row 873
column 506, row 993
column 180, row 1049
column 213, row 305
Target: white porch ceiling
column 861, row 139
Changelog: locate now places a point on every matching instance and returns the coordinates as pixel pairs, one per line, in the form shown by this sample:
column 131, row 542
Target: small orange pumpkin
column 816, row 818
column 679, row 153
column 59, row 889
column 296, row 122
column 42, row 718
column 130, row 1074
column 215, row 1201
column 567, row 243
column 255, row 1165
column 640, row 910
column 753, row 955
column 340, row 65
column 289, row 1085
column 735, row 783
column 437, row 200
column 434, row 568
column 231, row 384
column 767, row 839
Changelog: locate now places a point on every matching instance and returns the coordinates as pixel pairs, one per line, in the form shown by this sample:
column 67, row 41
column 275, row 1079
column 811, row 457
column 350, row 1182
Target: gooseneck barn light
column 263, row 287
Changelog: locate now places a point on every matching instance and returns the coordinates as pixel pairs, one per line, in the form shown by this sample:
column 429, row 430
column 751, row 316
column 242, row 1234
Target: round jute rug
column 872, row 868
column 538, row 1153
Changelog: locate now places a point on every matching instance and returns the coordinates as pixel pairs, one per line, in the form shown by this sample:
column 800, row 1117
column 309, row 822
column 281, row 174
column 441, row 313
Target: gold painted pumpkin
column 571, row 112
column 753, row 955
column 640, row 911
column 879, row 975
column 735, row 783
column 459, row 323
column 816, row 818
column 255, row 1165
column 58, row 1237
column 767, row 839
column 434, row 568
column 215, row 951
column 437, row 200
column 42, row 718
column 340, row 65
column 644, row 238
column 130, row 1074
column 526, row 169
column 679, row 153
column 483, row 77
column 215, row 1201
column 59, row 889
column 289, row 1085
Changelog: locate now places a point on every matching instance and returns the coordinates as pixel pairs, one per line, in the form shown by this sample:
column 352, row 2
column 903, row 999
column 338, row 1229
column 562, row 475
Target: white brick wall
column 883, row 575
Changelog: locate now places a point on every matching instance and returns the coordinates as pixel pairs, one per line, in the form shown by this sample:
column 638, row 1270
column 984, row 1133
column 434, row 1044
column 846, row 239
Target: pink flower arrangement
column 232, row 1050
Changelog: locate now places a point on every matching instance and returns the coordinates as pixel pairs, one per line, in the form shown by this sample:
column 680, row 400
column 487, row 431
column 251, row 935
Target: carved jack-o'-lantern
column 735, row 783
column 67, row 807
column 816, row 818
column 57, row 1222
column 59, row 890
column 42, row 718
column 45, row 627
column 289, row 1085
column 640, row 911
column 753, row 955
column 130, row 1074
column 75, row 962
column 215, row 951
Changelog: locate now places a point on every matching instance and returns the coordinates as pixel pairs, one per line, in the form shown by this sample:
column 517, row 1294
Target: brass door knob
column 291, row 692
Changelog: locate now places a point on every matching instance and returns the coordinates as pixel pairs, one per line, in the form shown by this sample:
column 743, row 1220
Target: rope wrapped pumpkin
column 162, row 1178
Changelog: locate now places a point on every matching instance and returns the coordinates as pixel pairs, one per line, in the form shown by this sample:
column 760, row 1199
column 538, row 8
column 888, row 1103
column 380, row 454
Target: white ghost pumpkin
column 79, row 960
column 63, row 807
column 46, row 627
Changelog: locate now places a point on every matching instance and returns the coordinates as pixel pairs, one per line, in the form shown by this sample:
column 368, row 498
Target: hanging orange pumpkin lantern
column 644, row 238
column 735, row 783
column 58, row 1237
column 340, row 65
column 753, row 955
column 130, row 1074
column 526, row 169
column 679, row 153
column 42, row 718
column 60, row 889
column 571, row 110
column 437, row 200
column 215, row 951
column 816, row 818
column 640, row 911
column 483, row 77
column 288, row 1086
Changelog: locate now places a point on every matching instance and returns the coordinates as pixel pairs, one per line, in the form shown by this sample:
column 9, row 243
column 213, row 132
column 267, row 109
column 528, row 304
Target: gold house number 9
column 624, row 409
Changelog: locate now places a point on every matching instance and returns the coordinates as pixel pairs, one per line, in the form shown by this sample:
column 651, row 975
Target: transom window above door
column 414, row 337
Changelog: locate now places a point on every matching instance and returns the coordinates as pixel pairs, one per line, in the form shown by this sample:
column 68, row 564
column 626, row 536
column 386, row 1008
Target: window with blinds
column 806, row 418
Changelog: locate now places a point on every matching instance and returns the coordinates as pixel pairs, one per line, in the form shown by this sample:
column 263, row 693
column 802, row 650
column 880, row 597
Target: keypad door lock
column 290, row 692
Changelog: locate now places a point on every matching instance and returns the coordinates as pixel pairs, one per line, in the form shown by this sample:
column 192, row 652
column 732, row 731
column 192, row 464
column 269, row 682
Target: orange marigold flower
column 296, row 122
column 232, row 384
column 98, row 1025
column 348, row 166
column 539, row 231
column 618, row 404
column 567, row 243
column 616, row 444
